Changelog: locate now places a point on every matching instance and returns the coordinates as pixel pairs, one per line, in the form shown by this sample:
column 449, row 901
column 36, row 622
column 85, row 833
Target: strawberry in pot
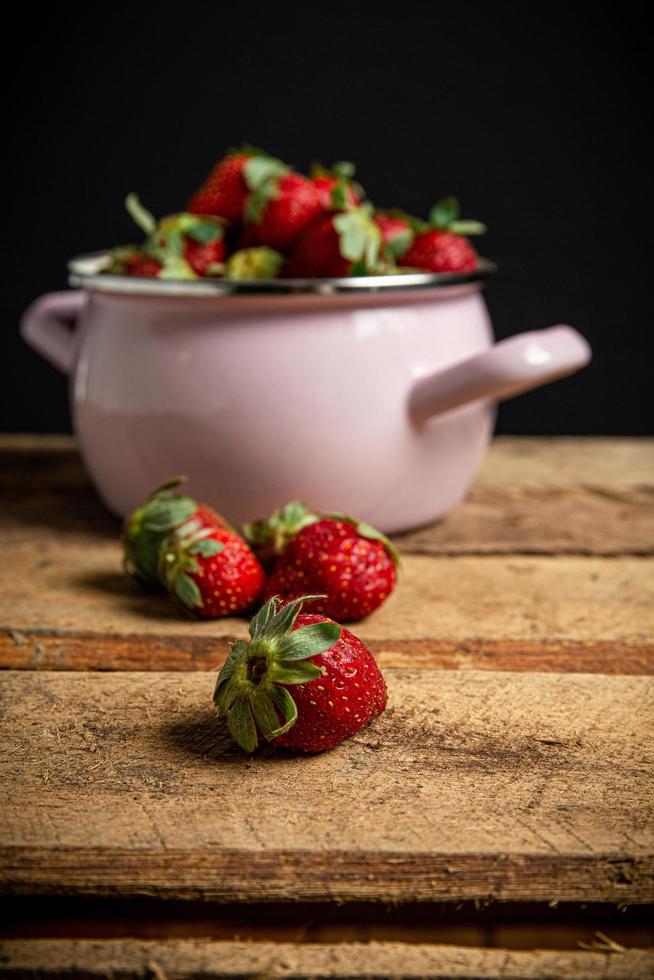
column 440, row 245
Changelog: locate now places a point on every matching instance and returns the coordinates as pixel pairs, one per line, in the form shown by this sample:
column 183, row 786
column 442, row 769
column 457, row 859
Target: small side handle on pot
column 47, row 326
column 509, row 368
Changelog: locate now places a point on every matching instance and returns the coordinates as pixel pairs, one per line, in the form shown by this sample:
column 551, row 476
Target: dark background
column 534, row 116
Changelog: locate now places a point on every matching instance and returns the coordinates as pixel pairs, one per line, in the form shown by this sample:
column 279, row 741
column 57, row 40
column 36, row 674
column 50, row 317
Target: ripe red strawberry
column 225, row 190
column 440, row 251
column 396, row 232
column 147, row 527
column 441, row 245
column 334, row 194
column 302, row 682
column 337, row 189
column 281, row 207
column 337, row 245
column 205, row 258
column 143, row 265
column 352, row 565
column 210, row 570
column 180, row 246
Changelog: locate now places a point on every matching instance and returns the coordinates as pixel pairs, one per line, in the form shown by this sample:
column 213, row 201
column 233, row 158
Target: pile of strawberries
column 257, row 218
column 345, row 568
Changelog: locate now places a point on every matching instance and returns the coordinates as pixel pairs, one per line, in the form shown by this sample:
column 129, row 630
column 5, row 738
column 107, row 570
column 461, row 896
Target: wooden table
column 502, row 803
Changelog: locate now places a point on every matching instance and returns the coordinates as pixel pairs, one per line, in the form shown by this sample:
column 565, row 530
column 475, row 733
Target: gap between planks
column 74, row 609
column 42, row 649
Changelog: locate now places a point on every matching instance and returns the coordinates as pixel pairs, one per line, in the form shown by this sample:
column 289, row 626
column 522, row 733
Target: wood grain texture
column 182, row 959
column 72, row 608
column 526, row 787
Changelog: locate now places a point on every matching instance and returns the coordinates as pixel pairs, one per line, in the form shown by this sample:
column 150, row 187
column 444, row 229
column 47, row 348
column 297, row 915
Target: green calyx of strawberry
column 343, row 170
column 401, row 241
column 254, row 263
column 261, row 174
column 145, row 529
column 365, row 530
column 269, row 538
column 359, row 239
column 178, row 560
column 246, row 150
column 252, row 687
column 166, row 239
column 343, row 173
column 444, row 216
column 121, row 257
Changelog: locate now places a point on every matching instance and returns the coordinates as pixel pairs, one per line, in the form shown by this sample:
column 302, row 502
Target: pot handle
column 506, row 369
column 46, row 327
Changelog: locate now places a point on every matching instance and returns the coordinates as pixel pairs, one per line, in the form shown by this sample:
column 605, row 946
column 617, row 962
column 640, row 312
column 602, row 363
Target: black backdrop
column 535, row 116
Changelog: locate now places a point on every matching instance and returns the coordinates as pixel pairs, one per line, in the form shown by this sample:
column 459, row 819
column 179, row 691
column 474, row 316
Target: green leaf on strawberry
column 175, row 267
column 344, row 169
column 400, row 242
column 261, row 169
column 445, row 217
column 257, row 201
column 187, row 591
column 143, row 218
column 360, row 238
column 250, row 690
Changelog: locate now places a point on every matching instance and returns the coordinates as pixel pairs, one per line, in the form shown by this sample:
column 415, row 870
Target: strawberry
column 210, row 570
column 337, row 245
column 396, row 232
column 226, row 189
column 205, row 258
column 336, row 187
column 441, row 246
column 146, row 528
column 280, row 207
column 440, row 251
column 302, row 682
column 180, row 246
column 254, row 263
column 352, row 565
column 142, row 265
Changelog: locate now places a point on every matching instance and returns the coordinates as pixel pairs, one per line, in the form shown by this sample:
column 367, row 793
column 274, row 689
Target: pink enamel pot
column 371, row 396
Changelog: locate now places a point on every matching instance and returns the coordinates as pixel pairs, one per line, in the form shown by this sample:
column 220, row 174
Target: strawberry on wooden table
column 302, row 682
column 210, row 570
column 349, row 563
column 441, row 245
column 147, row 527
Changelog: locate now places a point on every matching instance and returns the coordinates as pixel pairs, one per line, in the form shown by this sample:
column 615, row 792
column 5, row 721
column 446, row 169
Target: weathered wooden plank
column 509, row 519
column 472, row 786
column 203, row 958
column 72, row 608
